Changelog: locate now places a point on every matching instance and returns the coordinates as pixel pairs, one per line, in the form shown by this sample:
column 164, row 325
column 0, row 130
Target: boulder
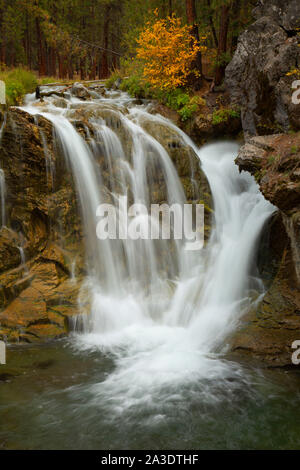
column 269, row 331
column 80, row 91
column 285, row 13
column 258, row 77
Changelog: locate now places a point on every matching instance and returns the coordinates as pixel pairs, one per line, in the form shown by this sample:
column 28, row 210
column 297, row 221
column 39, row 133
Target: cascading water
column 50, row 167
column 161, row 312
column 23, row 260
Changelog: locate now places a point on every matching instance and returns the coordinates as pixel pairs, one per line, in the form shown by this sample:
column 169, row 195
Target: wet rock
column 184, row 159
column 42, row 217
column 117, row 83
column 47, row 94
column 9, row 251
column 60, row 102
column 80, row 91
column 202, row 127
column 269, row 331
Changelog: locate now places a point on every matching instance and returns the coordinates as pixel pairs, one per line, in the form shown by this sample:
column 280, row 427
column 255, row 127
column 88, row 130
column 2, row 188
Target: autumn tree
column 168, row 52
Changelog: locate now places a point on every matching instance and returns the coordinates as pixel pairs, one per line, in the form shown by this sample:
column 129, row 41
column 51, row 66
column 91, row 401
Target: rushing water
column 150, row 367
column 23, row 260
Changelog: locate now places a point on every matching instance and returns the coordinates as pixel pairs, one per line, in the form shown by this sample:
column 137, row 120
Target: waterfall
column 161, row 312
column 23, row 260
column 50, row 167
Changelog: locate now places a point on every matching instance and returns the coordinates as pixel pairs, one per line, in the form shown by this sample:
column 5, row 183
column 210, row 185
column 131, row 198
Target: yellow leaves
column 292, row 72
column 168, row 50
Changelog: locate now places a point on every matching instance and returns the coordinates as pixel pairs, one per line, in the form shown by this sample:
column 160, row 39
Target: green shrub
column 294, row 149
column 14, row 92
column 18, row 82
column 271, row 160
column 180, row 101
column 111, row 80
column 187, row 111
column 27, row 79
column 137, row 87
column 175, row 99
column 224, row 114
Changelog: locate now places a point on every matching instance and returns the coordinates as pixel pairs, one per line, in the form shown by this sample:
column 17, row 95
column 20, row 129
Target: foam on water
column 162, row 313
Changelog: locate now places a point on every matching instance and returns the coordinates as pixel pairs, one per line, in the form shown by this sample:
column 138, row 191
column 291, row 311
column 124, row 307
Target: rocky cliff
column 258, row 77
column 268, row 332
column 42, row 234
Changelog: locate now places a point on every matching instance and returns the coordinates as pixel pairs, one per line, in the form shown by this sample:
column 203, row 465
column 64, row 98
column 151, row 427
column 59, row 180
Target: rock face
column 257, row 78
column 36, row 297
column 268, row 332
column 286, row 14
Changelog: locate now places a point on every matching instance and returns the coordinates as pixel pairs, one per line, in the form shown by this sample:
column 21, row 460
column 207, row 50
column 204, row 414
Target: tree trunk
column 92, row 74
column 222, row 47
column 114, row 45
column 212, row 26
column 3, row 52
column 192, row 21
column 41, row 50
column 70, row 69
column 60, row 66
column 82, row 74
column 234, row 27
column 104, row 64
column 3, row 41
column 53, row 62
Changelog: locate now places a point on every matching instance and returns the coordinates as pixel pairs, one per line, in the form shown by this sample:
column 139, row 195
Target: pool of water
column 48, row 401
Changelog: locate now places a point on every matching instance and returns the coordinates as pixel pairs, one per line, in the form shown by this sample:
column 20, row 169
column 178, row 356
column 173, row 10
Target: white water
column 23, row 260
column 162, row 313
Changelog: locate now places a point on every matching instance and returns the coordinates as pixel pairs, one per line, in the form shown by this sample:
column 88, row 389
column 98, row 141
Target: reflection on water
column 48, row 401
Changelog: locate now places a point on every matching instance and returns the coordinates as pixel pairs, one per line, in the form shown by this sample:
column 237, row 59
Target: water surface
column 51, row 404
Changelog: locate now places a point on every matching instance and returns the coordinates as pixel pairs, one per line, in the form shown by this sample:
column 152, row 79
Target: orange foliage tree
column 168, row 51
